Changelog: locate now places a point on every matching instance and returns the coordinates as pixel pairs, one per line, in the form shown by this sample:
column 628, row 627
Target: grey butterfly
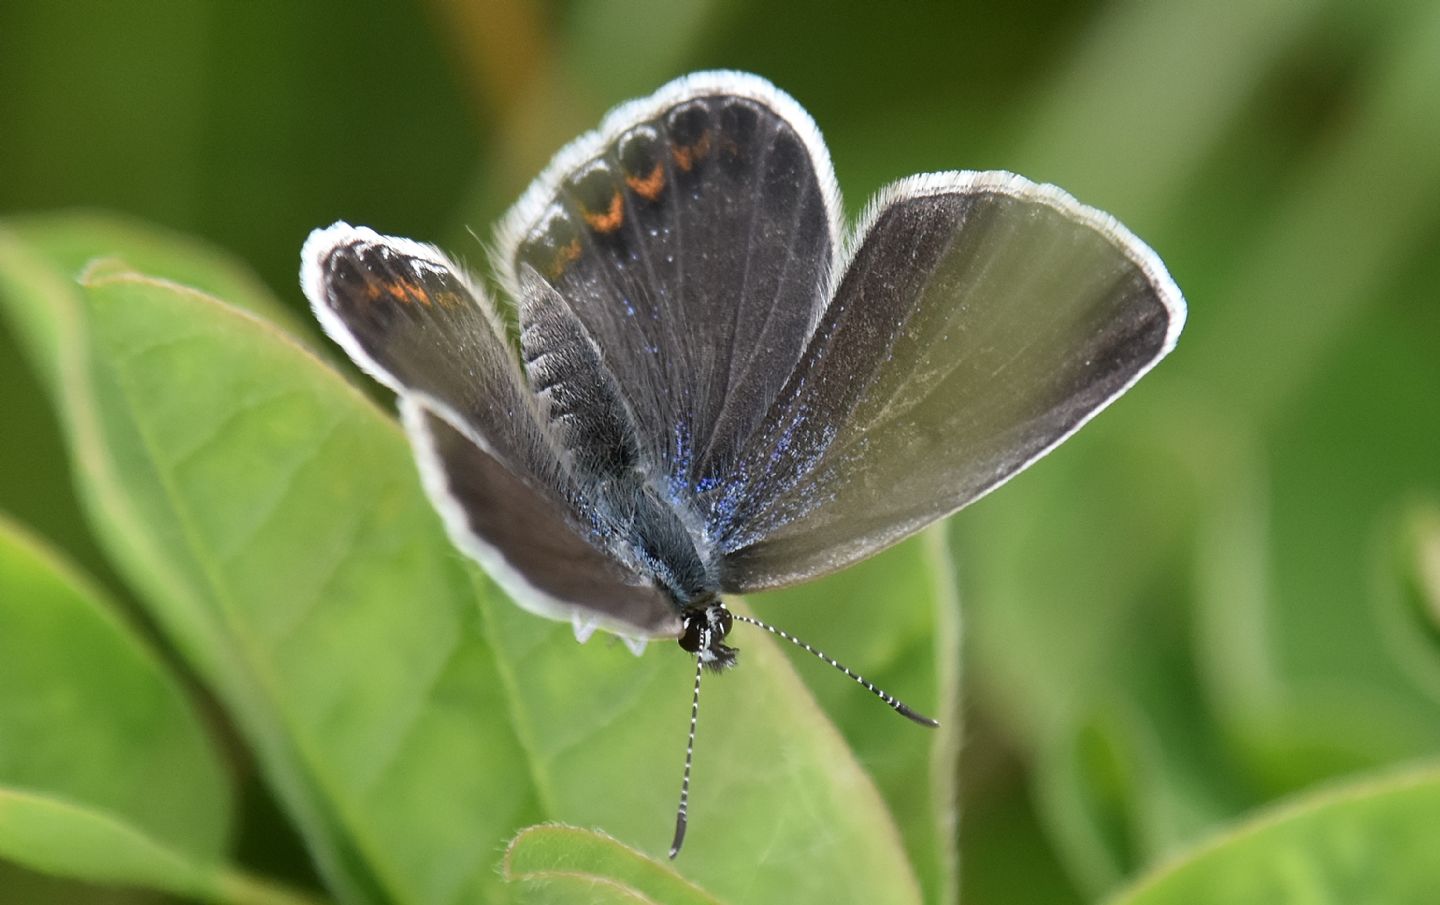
column 718, row 388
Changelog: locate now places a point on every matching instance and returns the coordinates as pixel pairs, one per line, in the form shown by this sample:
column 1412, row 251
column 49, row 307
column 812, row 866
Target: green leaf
column 895, row 619
column 267, row 514
column 272, row 519
column 1132, row 783
column 73, row 241
column 775, row 790
column 94, row 731
column 557, row 863
column 55, row 836
column 59, row 837
column 1368, row 841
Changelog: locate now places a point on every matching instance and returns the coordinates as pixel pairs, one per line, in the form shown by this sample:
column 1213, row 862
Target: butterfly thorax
column 654, row 535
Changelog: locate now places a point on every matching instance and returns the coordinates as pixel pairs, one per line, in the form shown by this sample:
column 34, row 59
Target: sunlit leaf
column 1369, row 841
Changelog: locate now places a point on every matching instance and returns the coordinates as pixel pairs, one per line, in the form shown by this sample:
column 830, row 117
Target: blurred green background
column 1223, row 592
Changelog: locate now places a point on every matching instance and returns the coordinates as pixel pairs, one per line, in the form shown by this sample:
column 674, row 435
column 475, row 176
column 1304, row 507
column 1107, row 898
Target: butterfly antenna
column 682, row 813
column 895, row 703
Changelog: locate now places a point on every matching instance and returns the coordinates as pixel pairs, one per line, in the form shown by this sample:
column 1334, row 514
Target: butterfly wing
column 693, row 235
column 408, row 316
column 980, row 321
column 527, row 541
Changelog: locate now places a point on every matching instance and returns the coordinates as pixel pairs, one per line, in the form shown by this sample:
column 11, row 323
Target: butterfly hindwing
column 981, row 320
column 526, row 541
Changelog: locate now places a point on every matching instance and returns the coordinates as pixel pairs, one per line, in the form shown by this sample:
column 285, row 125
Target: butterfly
column 718, row 388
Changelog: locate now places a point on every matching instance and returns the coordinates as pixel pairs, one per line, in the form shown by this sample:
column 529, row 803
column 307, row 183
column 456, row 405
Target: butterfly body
column 636, row 506
column 716, row 391
column 718, row 388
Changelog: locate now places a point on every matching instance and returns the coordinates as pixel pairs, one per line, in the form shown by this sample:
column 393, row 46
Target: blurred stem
column 499, row 49
column 541, row 85
column 508, row 59
column 509, row 62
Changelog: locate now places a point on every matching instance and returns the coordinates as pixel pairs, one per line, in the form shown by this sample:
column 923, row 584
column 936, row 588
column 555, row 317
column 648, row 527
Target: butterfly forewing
column 694, row 237
column 981, row 320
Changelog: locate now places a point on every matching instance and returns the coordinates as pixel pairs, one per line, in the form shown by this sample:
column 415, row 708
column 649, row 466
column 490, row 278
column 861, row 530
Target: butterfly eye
column 694, row 636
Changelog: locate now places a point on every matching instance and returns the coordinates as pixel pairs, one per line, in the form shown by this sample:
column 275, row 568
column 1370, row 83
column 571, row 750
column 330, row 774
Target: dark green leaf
column 105, row 771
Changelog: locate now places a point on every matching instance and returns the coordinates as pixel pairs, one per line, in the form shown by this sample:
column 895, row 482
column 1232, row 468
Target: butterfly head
column 705, row 627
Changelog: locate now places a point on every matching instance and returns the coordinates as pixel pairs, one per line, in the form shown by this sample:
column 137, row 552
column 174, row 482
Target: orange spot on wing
column 686, row 156
column 650, row 186
column 610, row 219
column 405, row 293
column 564, row 257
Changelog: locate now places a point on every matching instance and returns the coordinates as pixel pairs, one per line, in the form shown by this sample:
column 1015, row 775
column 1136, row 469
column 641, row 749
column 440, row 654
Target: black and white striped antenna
column 682, row 814
column 893, row 702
